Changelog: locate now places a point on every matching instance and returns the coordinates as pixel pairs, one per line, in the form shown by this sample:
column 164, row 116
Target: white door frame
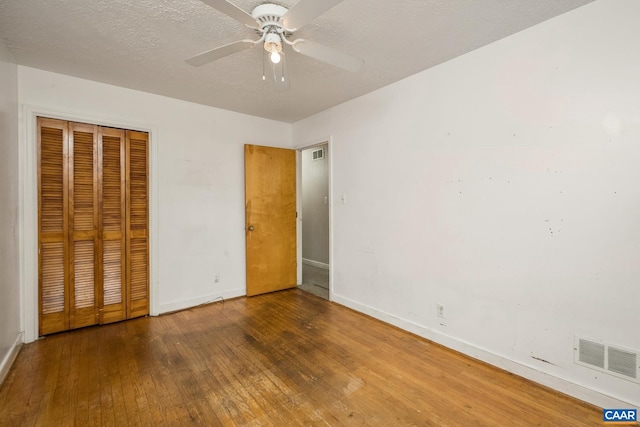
column 28, row 206
column 299, row 148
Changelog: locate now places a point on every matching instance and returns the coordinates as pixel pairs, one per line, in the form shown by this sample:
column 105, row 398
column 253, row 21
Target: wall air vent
column 621, row 362
column 591, row 353
column 318, row 154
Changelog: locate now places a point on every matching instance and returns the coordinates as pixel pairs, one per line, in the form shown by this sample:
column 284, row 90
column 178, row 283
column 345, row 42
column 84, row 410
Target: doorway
column 315, row 220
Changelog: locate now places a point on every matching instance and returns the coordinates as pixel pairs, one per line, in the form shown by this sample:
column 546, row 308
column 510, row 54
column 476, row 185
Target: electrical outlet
column 216, row 278
column 440, row 310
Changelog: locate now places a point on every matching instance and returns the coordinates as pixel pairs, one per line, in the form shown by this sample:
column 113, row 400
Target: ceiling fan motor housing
column 269, row 15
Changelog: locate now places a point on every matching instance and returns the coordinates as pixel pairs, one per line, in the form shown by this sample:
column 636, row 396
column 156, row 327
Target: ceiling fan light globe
column 273, row 43
column 272, row 47
column 275, row 57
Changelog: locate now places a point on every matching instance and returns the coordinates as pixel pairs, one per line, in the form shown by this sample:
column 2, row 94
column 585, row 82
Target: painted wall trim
column 10, row 357
column 563, row 385
column 28, row 205
column 193, row 302
column 318, row 264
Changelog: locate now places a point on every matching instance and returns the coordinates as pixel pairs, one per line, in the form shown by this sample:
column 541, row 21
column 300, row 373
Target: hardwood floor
column 287, row 358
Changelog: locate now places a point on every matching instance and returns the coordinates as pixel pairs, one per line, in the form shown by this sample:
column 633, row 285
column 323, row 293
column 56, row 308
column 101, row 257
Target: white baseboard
column 189, row 303
column 562, row 385
column 318, row 264
column 10, row 357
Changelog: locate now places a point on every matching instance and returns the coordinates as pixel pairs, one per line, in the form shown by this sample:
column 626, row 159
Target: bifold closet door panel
column 137, row 235
column 113, row 224
column 53, row 280
column 93, row 225
column 84, row 250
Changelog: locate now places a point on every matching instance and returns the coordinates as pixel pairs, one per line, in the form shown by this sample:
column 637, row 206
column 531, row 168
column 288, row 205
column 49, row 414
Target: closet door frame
column 28, row 205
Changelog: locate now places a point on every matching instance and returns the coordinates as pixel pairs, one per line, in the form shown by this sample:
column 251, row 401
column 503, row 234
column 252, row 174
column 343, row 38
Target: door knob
column 250, row 228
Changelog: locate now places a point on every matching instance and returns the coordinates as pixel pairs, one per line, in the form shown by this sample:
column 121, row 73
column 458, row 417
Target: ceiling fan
column 275, row 24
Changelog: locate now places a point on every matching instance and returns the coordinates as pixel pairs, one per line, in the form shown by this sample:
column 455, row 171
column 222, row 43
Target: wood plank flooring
column 287, row 358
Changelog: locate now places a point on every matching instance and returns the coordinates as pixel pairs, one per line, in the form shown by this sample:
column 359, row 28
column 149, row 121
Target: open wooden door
column 270, row 203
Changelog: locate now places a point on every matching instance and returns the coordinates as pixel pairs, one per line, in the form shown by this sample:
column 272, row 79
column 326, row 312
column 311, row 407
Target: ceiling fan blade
column 233, row 11
column 306, row 11
column 220, row 52
column 329, row 55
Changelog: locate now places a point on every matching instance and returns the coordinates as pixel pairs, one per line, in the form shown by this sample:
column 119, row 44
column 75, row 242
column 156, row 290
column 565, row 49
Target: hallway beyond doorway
column 315, row 280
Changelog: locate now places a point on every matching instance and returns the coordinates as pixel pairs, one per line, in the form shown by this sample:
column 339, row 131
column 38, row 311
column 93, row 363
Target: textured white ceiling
column 142, row 44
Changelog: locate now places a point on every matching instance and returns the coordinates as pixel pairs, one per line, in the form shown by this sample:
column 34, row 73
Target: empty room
column 319, row 212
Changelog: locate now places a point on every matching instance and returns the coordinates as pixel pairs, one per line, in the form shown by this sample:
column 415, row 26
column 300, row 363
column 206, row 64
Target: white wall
column 504, row 184
column 315, row 212
column 197, row 181
column 10, row 337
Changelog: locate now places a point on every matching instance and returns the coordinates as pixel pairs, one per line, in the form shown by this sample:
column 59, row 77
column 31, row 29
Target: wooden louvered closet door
column 138, row 223
column 53, row 223
column 83, row 224
column 93, row 225
column 113, row 225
